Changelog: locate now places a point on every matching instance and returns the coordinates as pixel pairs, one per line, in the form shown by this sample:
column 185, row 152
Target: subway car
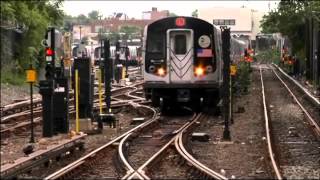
column 182, row 61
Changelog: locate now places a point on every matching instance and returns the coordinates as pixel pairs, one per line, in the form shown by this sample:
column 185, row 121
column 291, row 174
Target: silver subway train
column 182, row 61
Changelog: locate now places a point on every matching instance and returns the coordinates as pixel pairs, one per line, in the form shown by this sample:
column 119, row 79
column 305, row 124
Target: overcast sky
column 135, row 8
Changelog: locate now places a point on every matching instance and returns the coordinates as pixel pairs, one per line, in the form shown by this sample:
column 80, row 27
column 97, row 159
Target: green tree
column 113, row 37
column 194, row 13
column 289, row 19
column 93, row 15
column 171, row 14
column 129, row 31
column 27, row 22
column 82, row 19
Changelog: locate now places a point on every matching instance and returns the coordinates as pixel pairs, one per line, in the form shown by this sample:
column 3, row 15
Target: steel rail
column 133, row 96
column 128, row 167
column 37, row 104
column 314, row 99
column 140, row 172
column 82, row 160
column 312, row 122
column 267, row 126
column 187, row 156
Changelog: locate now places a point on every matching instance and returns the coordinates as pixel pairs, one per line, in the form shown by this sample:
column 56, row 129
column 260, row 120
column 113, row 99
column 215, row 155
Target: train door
column 180, row 55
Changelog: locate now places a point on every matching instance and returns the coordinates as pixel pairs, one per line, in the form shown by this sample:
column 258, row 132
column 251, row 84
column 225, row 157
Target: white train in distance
column 94, row 53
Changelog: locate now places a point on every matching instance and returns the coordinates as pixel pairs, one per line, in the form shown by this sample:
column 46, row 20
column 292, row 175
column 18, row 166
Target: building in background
column 115, row 22
column 244, row 22
column 154, row 14
column 84, row 29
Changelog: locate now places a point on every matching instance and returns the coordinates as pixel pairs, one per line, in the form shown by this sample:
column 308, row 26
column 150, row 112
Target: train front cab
column 187, row 73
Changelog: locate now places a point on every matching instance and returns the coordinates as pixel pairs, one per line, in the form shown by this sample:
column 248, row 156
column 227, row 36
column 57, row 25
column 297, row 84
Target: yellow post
column 77, row 100
column 100, row 90
column 124, row 72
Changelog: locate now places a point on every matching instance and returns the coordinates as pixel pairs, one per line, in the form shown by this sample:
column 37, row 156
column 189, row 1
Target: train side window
column 180, row 44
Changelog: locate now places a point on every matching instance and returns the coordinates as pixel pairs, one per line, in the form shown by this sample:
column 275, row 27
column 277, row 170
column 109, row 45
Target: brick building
column 114, row 24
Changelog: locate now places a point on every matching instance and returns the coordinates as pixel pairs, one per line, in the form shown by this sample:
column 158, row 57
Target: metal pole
column 31, row 108
column 127, row 53
column 226, row 79
column 107, row 81
column 77, row 100
column 231, row 100
column 100, row 90
column 80, row 33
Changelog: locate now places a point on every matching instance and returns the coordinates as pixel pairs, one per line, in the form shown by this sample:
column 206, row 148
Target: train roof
column 238, row 41
column 187, row 18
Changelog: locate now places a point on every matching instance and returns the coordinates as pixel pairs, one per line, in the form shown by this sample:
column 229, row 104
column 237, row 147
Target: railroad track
column 18, row 172
column 309, row 96
column 24, row 106
column 137, row 147
column 42, row 156
column 182, row 162
column 154, row 139
column 310, row 103
column 99, row 155
column 17, row 122
column 292, row 134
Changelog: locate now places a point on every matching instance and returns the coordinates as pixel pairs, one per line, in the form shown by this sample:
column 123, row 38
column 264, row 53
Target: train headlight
column 209, row 69
column 152, row 69
column 199, row 71
column 161, row 72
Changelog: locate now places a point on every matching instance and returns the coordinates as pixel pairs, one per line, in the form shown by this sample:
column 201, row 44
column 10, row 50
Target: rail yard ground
column 244, row 157
column 9, row 93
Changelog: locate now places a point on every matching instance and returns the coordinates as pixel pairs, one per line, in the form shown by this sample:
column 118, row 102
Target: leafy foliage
column 268, row 56
column 242, row 80
column 194, row 13
column 94, row 15
column 289, row 19
column 171, row 14
column 27, row 22
column 69, row 21
column 129, row 31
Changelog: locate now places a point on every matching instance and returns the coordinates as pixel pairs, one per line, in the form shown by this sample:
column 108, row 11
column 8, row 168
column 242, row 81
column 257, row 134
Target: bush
column 7, row 76
column 241, row 82
column 268, row 56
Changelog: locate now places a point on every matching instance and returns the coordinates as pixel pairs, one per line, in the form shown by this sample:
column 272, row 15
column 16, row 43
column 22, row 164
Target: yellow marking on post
column 77, row 100
column 67, row 62
column 230, row 97
column 123, row 72
column 31, row 75
column 233, row 70
column 100, row 90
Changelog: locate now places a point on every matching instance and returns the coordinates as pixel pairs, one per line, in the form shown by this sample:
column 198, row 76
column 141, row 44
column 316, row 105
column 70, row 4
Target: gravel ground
column 297, row 147
column 244, row 157
column 11, row 148
column 152, row 140
column 9, row 93
column 313, row 110
column 103, row 169
column 170, row 168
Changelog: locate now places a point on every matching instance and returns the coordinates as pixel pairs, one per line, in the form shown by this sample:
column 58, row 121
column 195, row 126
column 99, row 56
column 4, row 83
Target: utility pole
column 80, row 32
column 225, row 32
column 31, row 78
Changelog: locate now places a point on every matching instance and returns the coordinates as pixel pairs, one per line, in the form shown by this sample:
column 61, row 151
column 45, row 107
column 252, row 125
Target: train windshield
column 155, row 43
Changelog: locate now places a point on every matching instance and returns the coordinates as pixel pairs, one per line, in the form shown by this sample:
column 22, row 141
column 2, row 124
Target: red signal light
column 49, row 52
column 180, row 21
